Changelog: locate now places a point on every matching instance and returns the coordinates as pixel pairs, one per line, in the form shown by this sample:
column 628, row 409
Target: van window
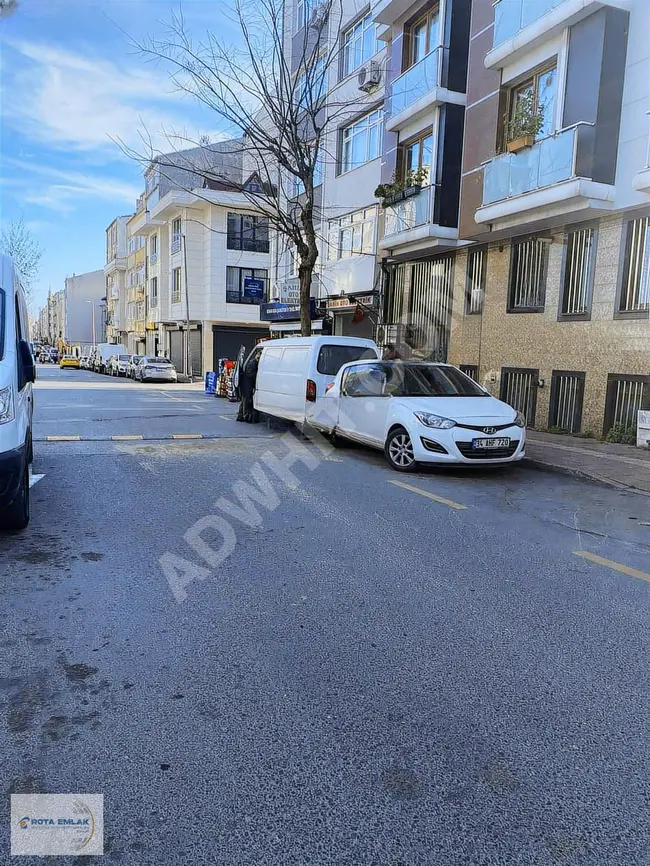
column 2, row 324
column 294, row 359
column 332, row 358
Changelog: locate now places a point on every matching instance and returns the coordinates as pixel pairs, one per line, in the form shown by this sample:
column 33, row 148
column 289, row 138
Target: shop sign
column 278, row 312
column 253, row 288
column 350, row 302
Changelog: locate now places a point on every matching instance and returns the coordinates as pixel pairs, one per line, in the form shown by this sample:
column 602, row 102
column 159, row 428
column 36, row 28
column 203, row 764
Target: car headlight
column 436, row 421
column 520, row 419
column 6, row 405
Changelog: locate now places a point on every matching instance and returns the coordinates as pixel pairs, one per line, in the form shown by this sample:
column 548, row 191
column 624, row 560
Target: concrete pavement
column 375, row 673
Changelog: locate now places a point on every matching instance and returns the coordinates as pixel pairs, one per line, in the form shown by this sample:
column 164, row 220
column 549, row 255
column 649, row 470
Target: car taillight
column 310, row 396
column 328, row 386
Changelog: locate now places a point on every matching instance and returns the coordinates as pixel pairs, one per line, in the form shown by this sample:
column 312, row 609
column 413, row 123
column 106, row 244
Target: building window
column 528, row 265
column 416, row 156
column 470, row 370
column 298, row 185
column 153, row 291
column 304, row 11
column 359, row 44
column 177, row 231
column 248, row 233
column 635, row 287
column 577, row 282
column 519, row 390
column 567, row 394
column 236, row 285
column 626, row 395
column 541, row 90
column 310, row 86
column 423, row 37
column 362, row 140
column 176, row 286
column 353, row 234
column 475, row 282
column 153, row 249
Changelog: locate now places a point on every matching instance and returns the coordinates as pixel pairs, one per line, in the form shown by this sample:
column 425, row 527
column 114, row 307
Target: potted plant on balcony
column 525, row 123
column 397, row 190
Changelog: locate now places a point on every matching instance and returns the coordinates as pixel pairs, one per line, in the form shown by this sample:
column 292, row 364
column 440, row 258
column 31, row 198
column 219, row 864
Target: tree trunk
column 305, row 272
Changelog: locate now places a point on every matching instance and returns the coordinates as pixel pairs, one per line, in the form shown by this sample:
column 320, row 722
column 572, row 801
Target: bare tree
column 8, row 7
column 270, row 93
column 18, row 242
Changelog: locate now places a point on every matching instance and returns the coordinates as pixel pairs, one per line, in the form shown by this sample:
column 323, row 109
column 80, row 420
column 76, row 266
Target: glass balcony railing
column 511, row 16
column 409, row 213
column 417, row 81
column 547, row 162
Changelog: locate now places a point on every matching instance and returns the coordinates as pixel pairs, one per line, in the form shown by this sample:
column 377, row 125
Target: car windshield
column 125, row 357
column 428, row 380
column 331, row 358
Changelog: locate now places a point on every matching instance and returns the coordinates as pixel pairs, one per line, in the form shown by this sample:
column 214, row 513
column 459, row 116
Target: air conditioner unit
column 369, row 76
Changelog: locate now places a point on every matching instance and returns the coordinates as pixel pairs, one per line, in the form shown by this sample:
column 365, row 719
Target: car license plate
column 480, row 444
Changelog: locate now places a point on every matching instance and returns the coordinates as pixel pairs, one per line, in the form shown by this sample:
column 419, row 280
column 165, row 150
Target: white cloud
column 71, row 101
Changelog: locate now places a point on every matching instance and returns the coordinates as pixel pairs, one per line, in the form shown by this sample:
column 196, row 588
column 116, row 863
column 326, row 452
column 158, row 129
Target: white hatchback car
column 420, row 412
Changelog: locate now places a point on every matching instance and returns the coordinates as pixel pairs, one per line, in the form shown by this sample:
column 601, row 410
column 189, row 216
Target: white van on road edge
column 17, row 373
column 294, row 372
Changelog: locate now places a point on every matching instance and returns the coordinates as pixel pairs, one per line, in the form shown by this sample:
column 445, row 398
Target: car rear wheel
column 399, row 450
column 16, row 517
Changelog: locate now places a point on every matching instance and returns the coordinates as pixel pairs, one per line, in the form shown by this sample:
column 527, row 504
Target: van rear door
column 328, row 361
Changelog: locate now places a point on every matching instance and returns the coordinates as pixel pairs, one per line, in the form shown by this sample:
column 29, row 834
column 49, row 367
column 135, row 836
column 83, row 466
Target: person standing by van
column 247, row 379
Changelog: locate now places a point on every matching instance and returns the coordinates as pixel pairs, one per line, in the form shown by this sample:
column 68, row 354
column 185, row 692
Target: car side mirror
column 27, row 366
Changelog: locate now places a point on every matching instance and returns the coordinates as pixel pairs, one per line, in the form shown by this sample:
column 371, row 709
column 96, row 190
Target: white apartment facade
column 115, row 280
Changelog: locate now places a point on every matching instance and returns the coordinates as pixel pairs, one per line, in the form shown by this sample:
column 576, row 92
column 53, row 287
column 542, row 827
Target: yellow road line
column 126, row 438
column 187, row 436
column 63, row 438
column 615, row 566
column 449, row 502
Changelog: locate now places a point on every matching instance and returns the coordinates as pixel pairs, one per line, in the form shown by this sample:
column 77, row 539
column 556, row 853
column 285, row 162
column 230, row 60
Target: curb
column 541, row 466
column 170, row 437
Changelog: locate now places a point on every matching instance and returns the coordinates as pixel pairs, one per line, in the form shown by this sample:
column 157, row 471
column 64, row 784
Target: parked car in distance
column 54, row 356
column 118, row 365
column 420, row 412
column 83, row 362
column 133, row 363
column 293, row 372
column 103, row 352
column 70, row 362
column 151, row 369
column 17, row 373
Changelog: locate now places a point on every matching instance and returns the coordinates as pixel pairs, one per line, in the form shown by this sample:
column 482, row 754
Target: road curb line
column 582, row 474
column 62, row 439
column 125, row 438
column 457, row 506
column 187, row 436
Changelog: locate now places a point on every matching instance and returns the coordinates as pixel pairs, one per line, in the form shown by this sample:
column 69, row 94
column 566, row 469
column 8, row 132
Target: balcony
column 549, row 178
column 417, row 90
column 176, row 244
column 520, row 25
column 409, row 224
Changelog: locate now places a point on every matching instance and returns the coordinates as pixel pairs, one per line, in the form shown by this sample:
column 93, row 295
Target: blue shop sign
column 278, row 312
column 253, row 288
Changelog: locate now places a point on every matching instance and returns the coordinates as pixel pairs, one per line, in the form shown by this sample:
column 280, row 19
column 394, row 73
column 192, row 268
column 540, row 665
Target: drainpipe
column 188, row 367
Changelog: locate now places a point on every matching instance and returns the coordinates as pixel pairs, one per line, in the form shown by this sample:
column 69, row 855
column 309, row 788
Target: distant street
column 365, row 668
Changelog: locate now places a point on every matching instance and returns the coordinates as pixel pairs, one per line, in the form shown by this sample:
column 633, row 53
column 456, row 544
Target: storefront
column 354, row 315
column 226, row 341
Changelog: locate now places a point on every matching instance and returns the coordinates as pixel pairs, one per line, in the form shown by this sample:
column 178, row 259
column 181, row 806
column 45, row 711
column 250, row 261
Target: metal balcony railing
column 549, row 161
column 176, row 244
column 153, row 258
column 409, row 213
column 417, row 81
column 511, row 16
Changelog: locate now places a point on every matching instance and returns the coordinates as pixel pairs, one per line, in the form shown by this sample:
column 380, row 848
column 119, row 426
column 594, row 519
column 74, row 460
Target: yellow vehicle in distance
column 70, row 361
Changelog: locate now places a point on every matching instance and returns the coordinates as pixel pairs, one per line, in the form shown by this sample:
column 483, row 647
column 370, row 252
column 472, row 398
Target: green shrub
column 623, row 434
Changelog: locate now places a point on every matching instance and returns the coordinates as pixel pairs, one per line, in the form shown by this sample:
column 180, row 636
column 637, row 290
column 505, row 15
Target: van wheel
column 16, row 517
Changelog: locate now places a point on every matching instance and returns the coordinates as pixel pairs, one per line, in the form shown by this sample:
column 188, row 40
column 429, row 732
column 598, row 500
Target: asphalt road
column 356, row 672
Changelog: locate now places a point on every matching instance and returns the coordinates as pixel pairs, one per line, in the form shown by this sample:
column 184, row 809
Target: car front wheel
column 399, row 450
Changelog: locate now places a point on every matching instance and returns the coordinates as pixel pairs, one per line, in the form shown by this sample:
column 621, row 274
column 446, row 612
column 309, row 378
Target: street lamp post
column 92, row 307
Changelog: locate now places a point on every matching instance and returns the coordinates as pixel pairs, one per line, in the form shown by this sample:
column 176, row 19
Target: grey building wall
column 79, row 289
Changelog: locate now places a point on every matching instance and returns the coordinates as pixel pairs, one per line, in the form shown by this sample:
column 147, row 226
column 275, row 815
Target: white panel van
column 293, row 373
column 17, row 372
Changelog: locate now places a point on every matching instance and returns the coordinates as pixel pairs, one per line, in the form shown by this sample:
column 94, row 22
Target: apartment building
column 135, row 286
column 84, row 308
column 115, row 280
column 207, row 263
column 551, row 302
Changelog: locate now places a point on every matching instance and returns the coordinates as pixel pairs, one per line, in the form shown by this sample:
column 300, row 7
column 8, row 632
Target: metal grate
column 470, row 370
column 519, row 390
column 626, row 395
column 528, row 274
column 475, row 286
column 430, row 301
column 635, row 290
column 578, row 272
column 394, row 294
column 567, row 395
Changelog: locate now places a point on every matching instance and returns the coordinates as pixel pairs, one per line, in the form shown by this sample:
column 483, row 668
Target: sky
column 71, row 81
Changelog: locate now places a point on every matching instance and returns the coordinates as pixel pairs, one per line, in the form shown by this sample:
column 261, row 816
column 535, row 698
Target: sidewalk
column 618, row 465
